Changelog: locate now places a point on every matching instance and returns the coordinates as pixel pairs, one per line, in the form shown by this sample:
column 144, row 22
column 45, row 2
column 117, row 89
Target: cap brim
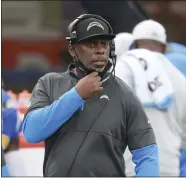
column 98, row 36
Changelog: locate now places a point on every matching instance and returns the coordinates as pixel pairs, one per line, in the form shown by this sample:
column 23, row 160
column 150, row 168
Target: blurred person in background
column 176, row 53
column 4, row 166
column 162, row 90
column 74, row 113
column 123, row 42
column 11, row 127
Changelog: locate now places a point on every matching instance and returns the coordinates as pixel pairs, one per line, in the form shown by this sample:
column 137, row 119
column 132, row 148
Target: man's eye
column 105, row 43
column 91, row 45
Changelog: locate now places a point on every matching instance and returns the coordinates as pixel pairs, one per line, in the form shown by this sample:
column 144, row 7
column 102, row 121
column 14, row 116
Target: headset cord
column 94, row 119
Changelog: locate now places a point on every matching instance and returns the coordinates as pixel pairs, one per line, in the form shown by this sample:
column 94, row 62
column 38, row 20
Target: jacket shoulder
column 52, row 76
column 121, row 84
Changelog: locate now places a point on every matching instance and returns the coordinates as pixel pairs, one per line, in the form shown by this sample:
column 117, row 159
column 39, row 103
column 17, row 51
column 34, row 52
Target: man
column 11, row 128
column 86, row 116
column 161, row 89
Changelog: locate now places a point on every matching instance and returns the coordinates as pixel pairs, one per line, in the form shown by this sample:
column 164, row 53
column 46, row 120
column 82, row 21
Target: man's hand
column 89, row 85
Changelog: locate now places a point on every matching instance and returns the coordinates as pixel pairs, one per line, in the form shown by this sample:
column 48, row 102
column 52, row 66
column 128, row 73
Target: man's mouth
column 99, row 62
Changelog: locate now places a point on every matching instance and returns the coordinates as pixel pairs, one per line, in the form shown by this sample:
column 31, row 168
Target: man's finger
column 99, row 83
column 100, row 88
column 93, row 74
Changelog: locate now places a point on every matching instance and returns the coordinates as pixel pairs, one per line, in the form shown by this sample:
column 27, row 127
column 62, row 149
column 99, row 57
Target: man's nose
column 100, row 49
column 101, row 52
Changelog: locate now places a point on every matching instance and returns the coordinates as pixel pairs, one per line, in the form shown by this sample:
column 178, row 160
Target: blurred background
column 33, row 32
column 33, row 43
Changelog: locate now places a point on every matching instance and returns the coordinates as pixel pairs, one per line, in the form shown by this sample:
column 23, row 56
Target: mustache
column 100, row 60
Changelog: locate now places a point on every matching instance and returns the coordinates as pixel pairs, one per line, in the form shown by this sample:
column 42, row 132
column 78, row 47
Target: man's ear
column 135, row 45
column 71, row 50
column 164, row 48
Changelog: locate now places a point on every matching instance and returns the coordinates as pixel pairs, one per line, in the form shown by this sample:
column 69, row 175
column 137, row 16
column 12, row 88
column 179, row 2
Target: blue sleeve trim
column 41, row 123
column 146, row 160
column 182, row 163
column 5, row 171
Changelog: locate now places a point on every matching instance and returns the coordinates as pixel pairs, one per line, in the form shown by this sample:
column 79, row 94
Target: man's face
column 150, row 45
column 93, row 53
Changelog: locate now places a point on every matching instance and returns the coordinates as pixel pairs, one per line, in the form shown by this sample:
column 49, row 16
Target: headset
column 72, row 38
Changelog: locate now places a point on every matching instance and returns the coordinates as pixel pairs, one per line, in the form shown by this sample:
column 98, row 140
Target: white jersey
column 169, row 126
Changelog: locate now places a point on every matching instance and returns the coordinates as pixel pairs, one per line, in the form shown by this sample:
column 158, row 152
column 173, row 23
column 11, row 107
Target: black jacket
column 93, row 141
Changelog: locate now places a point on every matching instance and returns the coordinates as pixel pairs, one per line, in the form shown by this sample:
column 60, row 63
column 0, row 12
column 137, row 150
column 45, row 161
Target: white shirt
column 169, row 126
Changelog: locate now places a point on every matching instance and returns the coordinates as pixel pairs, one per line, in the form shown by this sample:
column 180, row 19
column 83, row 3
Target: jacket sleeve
column 141, row 139
column 43, row 118
column 182, row 162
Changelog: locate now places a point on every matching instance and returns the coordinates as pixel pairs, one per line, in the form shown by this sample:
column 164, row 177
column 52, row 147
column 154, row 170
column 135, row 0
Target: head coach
column 87, row 116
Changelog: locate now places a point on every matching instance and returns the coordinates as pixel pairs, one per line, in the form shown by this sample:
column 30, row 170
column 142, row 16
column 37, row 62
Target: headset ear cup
column 72, row 34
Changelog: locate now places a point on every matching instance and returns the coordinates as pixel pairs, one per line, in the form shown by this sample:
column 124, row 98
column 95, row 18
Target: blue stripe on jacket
column 41, row 123
column 146, row 160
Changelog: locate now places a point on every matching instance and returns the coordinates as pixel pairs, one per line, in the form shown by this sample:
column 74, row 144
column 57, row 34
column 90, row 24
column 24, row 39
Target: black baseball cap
column 91, row 28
